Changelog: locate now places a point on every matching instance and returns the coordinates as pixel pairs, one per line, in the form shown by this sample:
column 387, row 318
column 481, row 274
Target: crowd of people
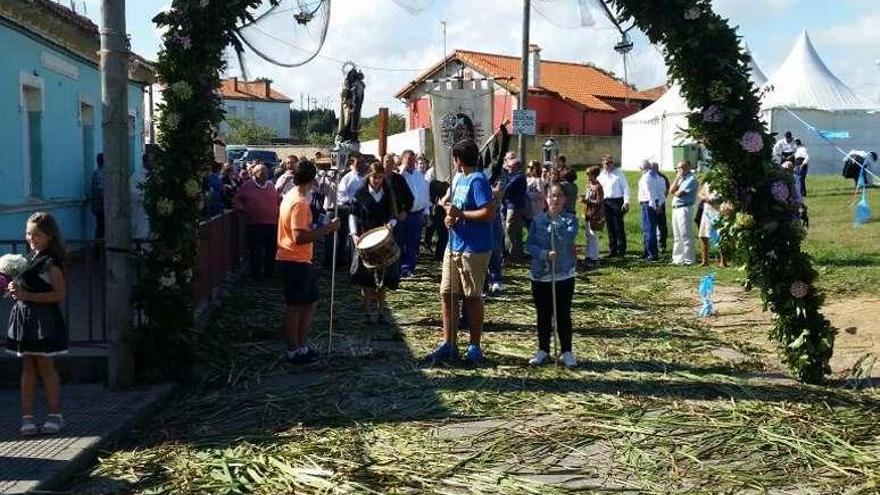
column 473, row 227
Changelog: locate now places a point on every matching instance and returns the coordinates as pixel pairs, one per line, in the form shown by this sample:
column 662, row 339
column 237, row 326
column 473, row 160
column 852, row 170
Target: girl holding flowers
column 37, row 331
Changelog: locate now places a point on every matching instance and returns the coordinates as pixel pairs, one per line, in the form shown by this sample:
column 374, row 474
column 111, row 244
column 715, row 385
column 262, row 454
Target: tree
column 319, row 138
column 247, row 131
column 319, row 121
column 370, row 126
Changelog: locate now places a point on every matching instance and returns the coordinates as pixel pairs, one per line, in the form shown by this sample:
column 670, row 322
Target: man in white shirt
column 801, row 165
column 615, row 205
column 784, row 148
column 412, row 224
column 652, row 196
column 348, row 186
column 857, row 166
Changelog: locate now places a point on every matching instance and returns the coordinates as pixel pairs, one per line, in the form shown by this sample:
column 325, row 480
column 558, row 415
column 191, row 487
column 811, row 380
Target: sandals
column 28, row 427
column 54, row 423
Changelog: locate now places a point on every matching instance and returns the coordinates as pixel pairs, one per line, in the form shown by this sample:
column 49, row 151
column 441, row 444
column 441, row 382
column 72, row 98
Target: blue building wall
column 65, row 84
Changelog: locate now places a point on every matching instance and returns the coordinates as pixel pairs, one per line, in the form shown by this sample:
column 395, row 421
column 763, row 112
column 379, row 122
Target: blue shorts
column 300, row 282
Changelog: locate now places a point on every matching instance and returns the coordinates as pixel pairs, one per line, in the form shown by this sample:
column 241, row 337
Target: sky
column 392, row 45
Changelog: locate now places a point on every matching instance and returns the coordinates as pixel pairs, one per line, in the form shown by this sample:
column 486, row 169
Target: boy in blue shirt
column 468, row 217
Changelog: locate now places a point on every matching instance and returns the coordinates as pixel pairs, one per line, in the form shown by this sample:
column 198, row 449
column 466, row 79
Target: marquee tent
column 805, row 89
column 651, row 133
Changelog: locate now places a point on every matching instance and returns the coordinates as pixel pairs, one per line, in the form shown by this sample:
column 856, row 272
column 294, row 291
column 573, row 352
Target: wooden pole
column 524, row 87
column 117, row 196
column 383, row 131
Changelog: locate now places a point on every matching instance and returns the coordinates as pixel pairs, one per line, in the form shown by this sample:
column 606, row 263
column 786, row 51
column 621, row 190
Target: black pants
column 613, row 208
column 442, row 233
column 802, row 178
column 262, row 245
column 99, row 225
column 662, row 228
column 542, row 292
column 343, row 249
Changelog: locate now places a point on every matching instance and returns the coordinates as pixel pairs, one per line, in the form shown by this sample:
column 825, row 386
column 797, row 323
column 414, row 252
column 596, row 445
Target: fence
column 221, row 249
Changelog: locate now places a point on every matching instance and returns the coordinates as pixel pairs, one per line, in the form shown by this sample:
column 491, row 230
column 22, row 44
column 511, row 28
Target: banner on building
column 457, row 114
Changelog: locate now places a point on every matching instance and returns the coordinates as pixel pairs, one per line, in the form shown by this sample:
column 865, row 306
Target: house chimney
column 267, row 90
column 534, row 65
column 235, row 84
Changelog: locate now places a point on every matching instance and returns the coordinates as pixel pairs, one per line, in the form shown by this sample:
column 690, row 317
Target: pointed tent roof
column 804, row 81
column 758, row 76
column 673, row 103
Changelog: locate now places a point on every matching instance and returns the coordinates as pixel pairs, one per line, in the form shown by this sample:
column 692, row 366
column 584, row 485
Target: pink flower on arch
column 779, row 191
column 752, row 141
column 713, row 114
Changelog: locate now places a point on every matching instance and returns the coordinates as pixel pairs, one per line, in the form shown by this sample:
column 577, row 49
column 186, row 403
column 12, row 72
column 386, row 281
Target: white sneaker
column 568, row 360
column 539, row 358
column 495, row 288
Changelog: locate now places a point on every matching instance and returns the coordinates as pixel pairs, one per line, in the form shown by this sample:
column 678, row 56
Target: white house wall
column 274, row 115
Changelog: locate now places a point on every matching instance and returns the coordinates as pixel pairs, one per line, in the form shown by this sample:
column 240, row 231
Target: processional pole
column 346, row 143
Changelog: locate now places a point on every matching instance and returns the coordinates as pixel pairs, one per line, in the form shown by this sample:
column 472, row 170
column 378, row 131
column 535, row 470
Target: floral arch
column 703, row 54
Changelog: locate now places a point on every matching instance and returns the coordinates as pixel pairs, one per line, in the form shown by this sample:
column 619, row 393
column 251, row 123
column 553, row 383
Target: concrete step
column 83, row 364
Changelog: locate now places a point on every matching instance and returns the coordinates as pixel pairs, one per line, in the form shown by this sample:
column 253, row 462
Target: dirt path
column 857, row 342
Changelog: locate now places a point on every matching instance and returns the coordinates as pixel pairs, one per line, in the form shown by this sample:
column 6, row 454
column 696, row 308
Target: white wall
column 415, row 140
column 274, row 115
column 863, row 127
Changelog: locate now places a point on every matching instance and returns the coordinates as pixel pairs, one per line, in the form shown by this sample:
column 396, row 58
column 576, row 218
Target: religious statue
column 352, row 99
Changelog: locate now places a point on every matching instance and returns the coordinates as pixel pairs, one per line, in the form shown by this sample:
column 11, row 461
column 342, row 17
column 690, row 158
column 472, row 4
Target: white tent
column 805, row 89
column 651, row 133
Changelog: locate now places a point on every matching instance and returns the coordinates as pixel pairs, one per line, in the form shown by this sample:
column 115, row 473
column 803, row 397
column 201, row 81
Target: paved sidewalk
column 94, row 416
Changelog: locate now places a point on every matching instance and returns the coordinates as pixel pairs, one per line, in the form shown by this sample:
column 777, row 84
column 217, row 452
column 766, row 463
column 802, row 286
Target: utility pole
column 117, row 197
column 445, row 73
column 524, row 88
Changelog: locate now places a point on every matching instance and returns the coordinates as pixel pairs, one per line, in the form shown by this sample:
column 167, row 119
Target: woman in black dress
column 36, row 326
column 373, row 206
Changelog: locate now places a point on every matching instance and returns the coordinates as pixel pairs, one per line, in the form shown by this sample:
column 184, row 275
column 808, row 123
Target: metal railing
column 83, row 307
column 222, row 248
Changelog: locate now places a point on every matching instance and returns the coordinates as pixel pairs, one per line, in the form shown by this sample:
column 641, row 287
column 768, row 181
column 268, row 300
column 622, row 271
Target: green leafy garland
column 190, row 64
column 702, row 53
column 759, row 220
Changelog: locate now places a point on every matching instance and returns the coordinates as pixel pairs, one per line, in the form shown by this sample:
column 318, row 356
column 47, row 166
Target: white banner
column 458, row 114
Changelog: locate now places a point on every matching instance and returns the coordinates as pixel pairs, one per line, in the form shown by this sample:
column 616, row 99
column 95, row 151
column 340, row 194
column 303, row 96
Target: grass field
column 662, row 401
column 847, row 257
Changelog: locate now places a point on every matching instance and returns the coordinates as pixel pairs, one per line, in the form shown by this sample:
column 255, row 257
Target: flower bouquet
column 11, row 266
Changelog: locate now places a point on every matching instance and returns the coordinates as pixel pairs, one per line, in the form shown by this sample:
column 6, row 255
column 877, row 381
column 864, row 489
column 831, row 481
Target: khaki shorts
column 465, row 273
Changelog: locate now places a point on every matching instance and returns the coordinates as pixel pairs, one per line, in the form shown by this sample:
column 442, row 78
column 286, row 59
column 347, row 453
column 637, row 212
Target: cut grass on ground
column 651, row 409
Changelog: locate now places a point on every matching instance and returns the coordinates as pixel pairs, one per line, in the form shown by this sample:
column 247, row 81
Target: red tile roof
column 234, row 89
column 584, row 85
column 654, row 93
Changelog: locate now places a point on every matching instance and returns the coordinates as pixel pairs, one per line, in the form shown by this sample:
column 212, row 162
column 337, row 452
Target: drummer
column 373, row 206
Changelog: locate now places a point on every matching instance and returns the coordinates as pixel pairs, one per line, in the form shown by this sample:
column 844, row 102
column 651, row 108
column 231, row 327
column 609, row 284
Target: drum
column 377, row 249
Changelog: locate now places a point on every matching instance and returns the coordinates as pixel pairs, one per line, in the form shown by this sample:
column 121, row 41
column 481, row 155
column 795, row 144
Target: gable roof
column 234, row 89
column 655, row 93
column 581, row 84
column 804, row 81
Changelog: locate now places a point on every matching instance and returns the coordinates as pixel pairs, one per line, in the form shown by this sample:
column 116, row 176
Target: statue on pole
column 351, row 101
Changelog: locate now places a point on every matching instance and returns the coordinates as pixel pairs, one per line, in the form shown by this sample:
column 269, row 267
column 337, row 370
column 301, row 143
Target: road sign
column 524, row 122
